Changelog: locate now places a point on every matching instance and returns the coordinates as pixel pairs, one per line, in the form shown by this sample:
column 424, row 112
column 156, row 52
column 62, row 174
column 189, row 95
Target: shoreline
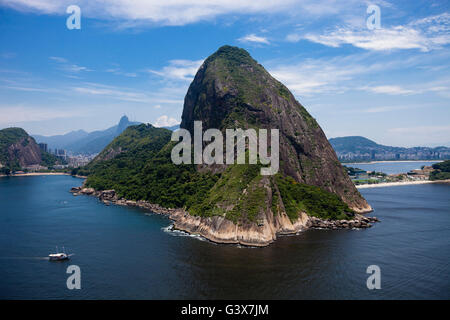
column 396, row 184
column 391, row 161
column 217, row 229
column 34, row 174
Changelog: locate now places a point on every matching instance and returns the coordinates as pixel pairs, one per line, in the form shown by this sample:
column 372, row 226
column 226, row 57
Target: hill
column 441, row 171
column 233, row 203
column 18, row 150
column 356, row 148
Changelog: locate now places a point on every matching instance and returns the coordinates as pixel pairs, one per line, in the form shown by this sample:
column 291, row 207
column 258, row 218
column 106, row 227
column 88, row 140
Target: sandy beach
column 396, row 184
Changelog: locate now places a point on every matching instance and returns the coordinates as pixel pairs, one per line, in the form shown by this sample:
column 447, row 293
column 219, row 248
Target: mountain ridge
column 80, row 141
column 358, row 148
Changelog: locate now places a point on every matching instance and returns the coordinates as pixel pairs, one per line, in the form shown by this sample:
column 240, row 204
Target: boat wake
column 23, row 258
column 30, row 258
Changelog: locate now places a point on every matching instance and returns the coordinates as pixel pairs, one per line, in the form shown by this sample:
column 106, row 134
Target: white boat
column 58, row 256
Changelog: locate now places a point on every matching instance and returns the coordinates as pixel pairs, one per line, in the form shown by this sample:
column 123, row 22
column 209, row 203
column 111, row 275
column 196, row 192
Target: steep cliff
column 231, row 90
column 18, row 149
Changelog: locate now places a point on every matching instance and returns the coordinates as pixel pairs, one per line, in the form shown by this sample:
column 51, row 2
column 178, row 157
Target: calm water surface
column 126, row 253
column 390, row 167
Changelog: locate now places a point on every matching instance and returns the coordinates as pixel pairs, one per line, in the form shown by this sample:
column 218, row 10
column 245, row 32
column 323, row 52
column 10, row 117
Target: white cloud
column 58, row 59
column 112, row 92
column 164, row 96
column 422, row 130
column 19, row 113
column 119, row 72
column 169, row 12
column 129, row 14
column 388, row 89
column 293, row 37
column 426, row 34
column 184, row 70
column 165, row 121
column 254, row 38
column 382, row 39
column 64, row 65
column 314, row 76
column 75, row 68
column 438, row 86
column 388, row 109
column 363, row 72
column 27, row 89
column 25, row 85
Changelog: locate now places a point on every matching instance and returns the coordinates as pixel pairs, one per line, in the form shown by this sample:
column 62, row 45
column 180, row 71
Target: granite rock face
column 17, row 148
column 25, row 151
column 232, row 90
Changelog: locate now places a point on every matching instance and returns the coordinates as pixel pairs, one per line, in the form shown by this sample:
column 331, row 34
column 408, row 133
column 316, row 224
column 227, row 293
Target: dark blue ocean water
column 125, row 253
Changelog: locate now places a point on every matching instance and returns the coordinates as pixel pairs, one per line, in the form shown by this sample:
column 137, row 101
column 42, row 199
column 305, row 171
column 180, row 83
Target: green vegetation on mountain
column 18, row 150
column 352, row 144
column 143, row 169
column 310, row 199
column 231, row 90
column 441, row 171
column 227, row 197
column 8, row 137
column 353, row 171
column 49, row 160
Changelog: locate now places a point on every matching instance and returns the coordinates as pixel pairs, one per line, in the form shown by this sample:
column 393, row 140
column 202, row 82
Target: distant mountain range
column 82, row 142
column 356, row 148
column 61, row 141
column 348, row 149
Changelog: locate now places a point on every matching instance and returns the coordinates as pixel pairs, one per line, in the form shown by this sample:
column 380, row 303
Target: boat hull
column 58, row 258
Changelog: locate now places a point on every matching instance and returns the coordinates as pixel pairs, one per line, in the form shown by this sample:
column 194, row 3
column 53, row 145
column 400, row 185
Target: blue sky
column 137, row 58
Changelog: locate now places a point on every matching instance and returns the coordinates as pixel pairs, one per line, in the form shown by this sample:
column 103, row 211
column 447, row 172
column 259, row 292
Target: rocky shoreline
column 220, row 230
column 358, row 222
